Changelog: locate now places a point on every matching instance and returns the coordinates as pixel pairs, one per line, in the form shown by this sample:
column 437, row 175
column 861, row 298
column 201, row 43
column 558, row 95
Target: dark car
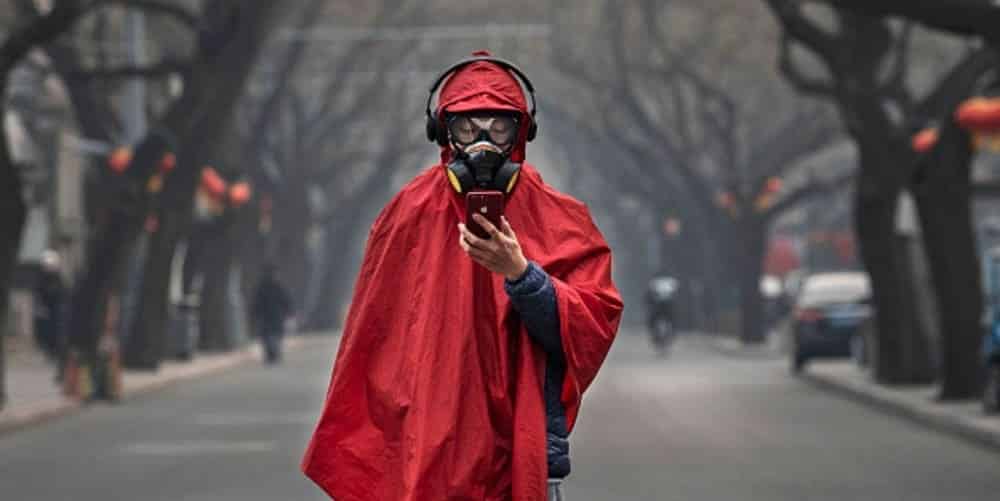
column 829, row 313
column 991, row 339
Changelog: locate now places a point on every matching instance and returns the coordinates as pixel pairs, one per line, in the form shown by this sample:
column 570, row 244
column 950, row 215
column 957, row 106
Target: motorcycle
column 662, row 335
column 660, row 298
column 991, row 339
column 991, row 351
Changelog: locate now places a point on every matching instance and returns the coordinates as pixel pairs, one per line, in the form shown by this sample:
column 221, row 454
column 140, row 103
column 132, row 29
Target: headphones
column 459, row 174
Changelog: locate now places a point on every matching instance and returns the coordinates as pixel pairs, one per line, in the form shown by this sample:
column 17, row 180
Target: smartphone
column 488, row 204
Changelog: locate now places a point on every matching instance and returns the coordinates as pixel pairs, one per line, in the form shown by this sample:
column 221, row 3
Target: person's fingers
column 487, row 225
column 471, row 239
column 507, row 229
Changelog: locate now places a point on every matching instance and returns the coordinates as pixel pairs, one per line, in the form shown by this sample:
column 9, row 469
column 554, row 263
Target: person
column 463, row 359
column 51, row 301
column 660, row 298
column 272, row 306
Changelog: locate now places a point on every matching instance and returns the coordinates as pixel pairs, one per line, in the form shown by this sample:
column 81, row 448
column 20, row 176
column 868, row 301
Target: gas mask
column 483, row 141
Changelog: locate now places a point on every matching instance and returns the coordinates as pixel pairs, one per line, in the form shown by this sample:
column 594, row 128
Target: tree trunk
column 200, row 120
column 945, row 213
column 752, row 243
column 124, row 203
column 216, row 268
column 898, row 333
column 12, row 217
column 107, row 249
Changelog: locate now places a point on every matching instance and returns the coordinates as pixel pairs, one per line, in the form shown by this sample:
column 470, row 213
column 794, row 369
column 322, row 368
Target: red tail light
column 808, row 315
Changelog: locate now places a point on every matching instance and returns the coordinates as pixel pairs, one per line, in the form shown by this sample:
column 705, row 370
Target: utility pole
column 135, row 90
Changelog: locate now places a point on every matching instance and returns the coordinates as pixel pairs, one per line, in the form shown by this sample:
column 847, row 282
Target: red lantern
column 168, row 162
column 213, row 184
column 152, row 224
column 240, row 193
column 774, row 185
column 672, row 227
column 120, row 159
column 725, row 200
column 979, row 114
column 925, row 140
column 763, row 202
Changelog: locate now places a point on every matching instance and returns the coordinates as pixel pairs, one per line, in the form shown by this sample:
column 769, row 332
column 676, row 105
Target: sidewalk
column 964, row 419
column 33, row 396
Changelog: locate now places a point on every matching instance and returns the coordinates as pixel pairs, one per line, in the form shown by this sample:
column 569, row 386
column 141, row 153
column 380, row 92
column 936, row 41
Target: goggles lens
column 467, row 129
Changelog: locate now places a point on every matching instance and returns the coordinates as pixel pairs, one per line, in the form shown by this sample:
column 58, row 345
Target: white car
column 829, row 312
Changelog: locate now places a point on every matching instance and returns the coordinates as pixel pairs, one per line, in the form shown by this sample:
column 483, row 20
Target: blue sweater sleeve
column 534, row 297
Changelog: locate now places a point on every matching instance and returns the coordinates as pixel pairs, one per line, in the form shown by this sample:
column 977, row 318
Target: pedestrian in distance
column 483, row 310
column 271, row 309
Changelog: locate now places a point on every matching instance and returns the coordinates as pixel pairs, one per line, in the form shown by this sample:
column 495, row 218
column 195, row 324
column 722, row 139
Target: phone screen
column 488, row 204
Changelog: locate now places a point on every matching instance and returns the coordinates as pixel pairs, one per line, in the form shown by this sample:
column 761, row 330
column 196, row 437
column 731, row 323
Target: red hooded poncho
column 437, row 389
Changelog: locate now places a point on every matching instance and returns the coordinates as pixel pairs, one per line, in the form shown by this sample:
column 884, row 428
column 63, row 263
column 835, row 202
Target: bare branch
column 175, row 11
column 796, row 77
column 789, row 12
column 808, row 191
column 158, row 69
column 970, row 17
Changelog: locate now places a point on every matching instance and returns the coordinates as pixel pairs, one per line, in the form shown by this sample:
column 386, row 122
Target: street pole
column 135, row 91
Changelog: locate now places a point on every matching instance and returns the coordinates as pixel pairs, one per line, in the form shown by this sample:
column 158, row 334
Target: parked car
column 830, row 310
column 991, row 326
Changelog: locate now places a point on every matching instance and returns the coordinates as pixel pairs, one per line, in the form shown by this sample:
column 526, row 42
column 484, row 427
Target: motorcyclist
column 660, row 310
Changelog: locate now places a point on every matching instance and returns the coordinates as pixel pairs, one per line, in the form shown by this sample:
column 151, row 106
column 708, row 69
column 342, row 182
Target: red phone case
column 488, row 204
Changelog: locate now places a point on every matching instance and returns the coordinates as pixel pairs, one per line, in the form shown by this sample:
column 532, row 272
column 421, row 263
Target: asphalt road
column 699, row 426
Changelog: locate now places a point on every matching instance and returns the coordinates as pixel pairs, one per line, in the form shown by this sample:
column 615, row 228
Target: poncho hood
column 485, row 86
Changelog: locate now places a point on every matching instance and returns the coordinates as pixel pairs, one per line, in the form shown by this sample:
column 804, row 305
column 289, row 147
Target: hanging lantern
column 152, row 224
column 168, row 162
column 979, row 114
column 120, row 159
column 155, row 184
column 925, row 140
column 213, row 183
column 774, row 185
column 763, row 202
column 672, row 227
column 988, row 140
column 240, row 193
column 725, row 200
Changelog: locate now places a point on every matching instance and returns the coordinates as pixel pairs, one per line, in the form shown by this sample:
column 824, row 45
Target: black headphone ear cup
column 532, row 131
column 431, row 128
column 441, row 134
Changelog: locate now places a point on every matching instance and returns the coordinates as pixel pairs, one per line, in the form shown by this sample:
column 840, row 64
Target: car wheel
column 798, row 363
column 858, row 350
column 991, row 395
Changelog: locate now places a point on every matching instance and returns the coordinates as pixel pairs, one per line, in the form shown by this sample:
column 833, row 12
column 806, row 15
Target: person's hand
column 501, row 253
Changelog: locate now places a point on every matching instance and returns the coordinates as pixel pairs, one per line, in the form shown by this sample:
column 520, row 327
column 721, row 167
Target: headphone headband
column 507, row 65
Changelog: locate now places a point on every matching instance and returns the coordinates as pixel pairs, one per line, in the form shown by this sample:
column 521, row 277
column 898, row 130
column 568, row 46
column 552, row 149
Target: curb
column 947, row 418
column 38, row 414
column 145, row 384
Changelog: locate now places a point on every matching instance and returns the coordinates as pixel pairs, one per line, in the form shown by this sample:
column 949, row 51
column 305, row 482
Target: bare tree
column 723, row 142
column 866, row 62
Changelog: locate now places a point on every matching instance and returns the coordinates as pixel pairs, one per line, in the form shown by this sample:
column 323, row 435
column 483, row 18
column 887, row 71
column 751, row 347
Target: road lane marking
column 197, row 447
column 255, row 419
